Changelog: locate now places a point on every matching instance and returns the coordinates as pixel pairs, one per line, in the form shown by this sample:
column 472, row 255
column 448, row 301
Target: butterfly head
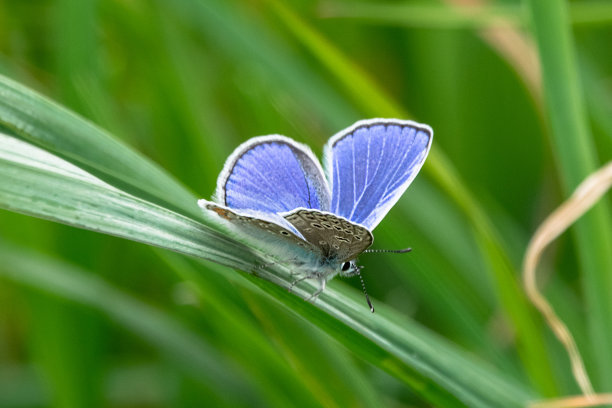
column 349, row 268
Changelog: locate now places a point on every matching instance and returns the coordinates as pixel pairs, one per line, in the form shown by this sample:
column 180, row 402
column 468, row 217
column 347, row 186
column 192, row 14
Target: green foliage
column 95, row 320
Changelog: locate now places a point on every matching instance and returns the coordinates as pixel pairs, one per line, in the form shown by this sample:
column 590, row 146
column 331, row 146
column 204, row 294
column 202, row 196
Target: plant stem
column 576, row 158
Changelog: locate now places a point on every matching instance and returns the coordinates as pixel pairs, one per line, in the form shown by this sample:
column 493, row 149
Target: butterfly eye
column 345, row 266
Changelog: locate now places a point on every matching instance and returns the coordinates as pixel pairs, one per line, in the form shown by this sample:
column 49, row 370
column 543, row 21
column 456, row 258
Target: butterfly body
column 328, row 242
column 274, row 190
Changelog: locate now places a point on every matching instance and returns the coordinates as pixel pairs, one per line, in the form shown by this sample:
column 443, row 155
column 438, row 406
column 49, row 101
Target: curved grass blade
column 41, row 122
column 154, row 326
column 402, row 348
column 277, row 343
column 575, row 151
column 372, row 99
column 37, row 183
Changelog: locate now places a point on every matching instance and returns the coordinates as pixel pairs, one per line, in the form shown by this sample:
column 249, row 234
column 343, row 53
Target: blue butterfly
column 274, row 189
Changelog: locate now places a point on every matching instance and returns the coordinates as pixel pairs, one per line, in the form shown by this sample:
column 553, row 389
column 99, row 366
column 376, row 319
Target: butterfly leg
column 259, row 266
column 295, row 282
column 315, row 295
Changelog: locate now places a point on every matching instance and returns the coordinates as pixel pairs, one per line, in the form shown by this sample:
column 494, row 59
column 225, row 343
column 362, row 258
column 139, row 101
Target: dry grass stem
column 584, row 197
column 575, row 402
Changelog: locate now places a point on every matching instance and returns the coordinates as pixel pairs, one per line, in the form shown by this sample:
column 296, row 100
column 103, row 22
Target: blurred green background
column 186, row 81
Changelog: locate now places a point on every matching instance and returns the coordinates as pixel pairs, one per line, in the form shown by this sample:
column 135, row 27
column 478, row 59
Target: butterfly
column 274, row 190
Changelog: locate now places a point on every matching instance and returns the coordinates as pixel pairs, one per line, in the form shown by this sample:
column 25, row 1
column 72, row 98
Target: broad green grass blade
column 233, row 324
column 38, row 183
column 576, row 159
column 330, row 371
column 278, row 345
column 292, row 74
column 45, row 124
column 404, row 350
column 286, row 72
column 68, row 341
column 154, row 326
column 372, row 99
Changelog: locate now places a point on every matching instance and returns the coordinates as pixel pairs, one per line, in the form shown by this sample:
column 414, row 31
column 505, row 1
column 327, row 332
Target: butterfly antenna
column 365, row 292
column 394, row 251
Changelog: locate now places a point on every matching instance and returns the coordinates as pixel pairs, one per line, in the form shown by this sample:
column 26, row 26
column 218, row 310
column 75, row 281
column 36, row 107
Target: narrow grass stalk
column 435, row 15
column 454, row 17
column 575, row 402
column 585, row 196
column 375, row 102
column 576, row 158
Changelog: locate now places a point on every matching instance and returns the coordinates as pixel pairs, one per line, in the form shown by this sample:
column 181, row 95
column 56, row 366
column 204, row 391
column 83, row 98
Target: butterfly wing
column 338, row 239
column 270, row 229
column 272, row 174
column 370, row 165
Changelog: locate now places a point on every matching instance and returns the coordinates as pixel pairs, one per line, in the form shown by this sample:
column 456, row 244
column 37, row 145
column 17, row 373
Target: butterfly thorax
column 336, row 239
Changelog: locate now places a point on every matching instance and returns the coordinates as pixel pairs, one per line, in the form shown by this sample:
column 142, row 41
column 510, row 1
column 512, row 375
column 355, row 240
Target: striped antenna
column 394, row 251
column 364, row 290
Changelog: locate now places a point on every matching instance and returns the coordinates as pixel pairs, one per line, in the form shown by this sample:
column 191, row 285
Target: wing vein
column 354, row 177
column 365, row 188
column 397, row 169
column 337, row 177
column 295, row 182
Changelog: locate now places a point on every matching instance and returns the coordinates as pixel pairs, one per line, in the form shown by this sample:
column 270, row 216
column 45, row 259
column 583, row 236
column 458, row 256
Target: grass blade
column 448, row 16
column 38, row 183
column 404, row 349
column 43, row 123
column 278, row 345
column 154, row 326
column 576, row 159
column 369, row 96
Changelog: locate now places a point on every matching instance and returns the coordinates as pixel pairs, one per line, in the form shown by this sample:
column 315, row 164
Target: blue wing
column 370, row 165
column 272, row 174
